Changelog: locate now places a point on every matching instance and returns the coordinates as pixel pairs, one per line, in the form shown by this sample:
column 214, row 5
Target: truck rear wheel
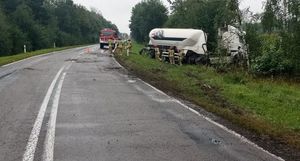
column 190, row 57
column 151, row 54
column 202, row 60
column 193, row 58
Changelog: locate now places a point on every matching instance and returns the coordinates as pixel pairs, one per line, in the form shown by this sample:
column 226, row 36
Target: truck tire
column 189, row 60
column 191, row 57
column 202, row 60
column 152, row 54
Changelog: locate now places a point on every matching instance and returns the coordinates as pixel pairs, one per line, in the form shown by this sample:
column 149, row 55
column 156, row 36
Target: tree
column 147, row 15
column 206, row 15
column 5, row 42
column 40, row 23
column 269, row 19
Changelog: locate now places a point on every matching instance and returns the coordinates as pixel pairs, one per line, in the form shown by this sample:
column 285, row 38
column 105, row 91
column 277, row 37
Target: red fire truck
column 106, row 35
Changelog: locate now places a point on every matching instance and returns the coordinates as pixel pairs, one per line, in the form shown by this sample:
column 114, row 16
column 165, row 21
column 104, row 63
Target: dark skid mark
column 7, row 74
column 32, row 69
column 202, row 140
column 112, row 68
column 71, row 60
column 193, row 137
column 104, row 55
column 28, row 69
column 131, row 76
column 87, row 61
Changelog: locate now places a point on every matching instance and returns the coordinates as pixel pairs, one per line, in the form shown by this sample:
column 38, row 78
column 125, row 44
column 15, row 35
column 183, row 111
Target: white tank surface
column 186, row 39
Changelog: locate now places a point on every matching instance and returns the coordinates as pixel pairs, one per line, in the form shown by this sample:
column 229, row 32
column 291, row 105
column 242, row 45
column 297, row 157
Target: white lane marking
column 34, row 136
column 159, row 91
column 131, row 81
column 154, row 97
column 68, row 66
column 50, row 136
column 117, row 63
column 242, row 138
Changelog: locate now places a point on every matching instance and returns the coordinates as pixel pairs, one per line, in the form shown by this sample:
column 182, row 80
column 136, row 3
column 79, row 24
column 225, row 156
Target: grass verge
column 12, row 58
column 267, row 107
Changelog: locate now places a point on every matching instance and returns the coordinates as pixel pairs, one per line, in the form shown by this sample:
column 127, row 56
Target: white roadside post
column 54, row 46
column 25, row 49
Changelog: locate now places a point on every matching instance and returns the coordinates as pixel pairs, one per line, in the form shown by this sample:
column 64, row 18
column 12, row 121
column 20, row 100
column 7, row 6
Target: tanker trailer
column 191, row 41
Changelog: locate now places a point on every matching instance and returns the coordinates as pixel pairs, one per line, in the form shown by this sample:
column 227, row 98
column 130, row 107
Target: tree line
column 40, row 24
column 273, row 36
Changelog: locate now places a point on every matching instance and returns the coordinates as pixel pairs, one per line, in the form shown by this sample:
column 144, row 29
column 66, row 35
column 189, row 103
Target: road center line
column 50, row 136
column 34, row 136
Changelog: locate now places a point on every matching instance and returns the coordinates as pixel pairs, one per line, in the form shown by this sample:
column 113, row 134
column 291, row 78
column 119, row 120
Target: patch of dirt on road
column 87, row 61
column 72, row 60
column 29, row 68
column 112, row 68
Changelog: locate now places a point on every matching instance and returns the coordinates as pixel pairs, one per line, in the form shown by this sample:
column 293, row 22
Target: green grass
column 265, row 106
column 12, row 58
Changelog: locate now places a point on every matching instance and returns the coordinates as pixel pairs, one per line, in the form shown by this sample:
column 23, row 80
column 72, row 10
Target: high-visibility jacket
column 129, row 46
column 171, row 53
column 109, row 42
column 120, row 44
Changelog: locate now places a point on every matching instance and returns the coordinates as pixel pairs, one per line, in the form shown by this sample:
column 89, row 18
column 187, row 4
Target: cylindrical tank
column 186, row 39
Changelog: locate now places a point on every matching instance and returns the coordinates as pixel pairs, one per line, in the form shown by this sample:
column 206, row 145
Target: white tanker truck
column 193, row 43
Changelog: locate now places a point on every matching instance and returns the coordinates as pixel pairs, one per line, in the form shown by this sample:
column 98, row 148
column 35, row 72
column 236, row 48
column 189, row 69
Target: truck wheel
column 152, row 54
column 190, row 57
column 188, row 60
column 202, row 60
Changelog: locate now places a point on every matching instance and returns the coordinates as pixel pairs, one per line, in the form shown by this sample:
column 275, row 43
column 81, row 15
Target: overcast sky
column 119, row 11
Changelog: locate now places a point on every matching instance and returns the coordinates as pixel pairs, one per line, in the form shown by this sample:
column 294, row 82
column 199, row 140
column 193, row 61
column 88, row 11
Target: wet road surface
column 79, row 106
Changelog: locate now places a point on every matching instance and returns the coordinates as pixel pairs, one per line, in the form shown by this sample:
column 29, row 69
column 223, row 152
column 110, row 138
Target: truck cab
column 107, row 35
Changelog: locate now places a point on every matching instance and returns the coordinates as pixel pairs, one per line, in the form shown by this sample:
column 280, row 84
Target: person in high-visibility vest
column 157, row 53
column 171, row 55
column 181, row 55
column 110, row 46
column 120, row 47
column 129, row 46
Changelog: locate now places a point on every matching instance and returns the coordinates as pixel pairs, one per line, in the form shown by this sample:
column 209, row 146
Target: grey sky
column 119, row 11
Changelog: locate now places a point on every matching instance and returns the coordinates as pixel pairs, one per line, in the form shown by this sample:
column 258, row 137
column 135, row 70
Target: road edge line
column 35, row 132
column 242, row 138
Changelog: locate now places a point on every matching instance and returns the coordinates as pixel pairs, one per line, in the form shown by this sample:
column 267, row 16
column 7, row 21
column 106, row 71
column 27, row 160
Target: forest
column 272, row 36
column 41, row 24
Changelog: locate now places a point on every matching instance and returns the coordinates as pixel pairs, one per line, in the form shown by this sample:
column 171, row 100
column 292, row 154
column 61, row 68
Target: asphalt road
column 79, row 106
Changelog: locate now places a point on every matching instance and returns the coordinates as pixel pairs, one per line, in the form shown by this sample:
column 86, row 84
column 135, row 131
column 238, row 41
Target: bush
column 273, row 60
